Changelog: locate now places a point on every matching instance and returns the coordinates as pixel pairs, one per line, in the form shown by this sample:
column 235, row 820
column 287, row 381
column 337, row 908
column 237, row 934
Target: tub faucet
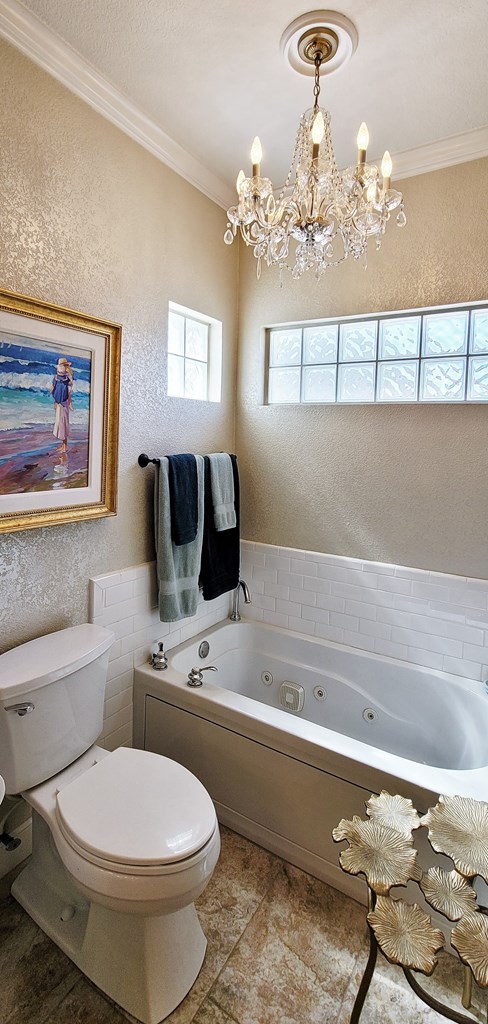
column 234, row 615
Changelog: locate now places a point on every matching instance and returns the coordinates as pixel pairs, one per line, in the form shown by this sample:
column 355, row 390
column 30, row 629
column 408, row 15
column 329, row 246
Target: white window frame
column 422, row 358
column 214, row 352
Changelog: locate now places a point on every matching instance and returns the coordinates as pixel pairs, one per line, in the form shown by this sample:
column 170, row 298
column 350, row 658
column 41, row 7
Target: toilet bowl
column 123, row 842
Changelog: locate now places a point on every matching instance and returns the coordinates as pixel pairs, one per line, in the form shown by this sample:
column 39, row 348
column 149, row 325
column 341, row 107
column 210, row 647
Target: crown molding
column 456, row 149
column 24, row 31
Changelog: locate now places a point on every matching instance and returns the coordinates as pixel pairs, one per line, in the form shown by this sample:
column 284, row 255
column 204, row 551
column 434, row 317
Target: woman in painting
column 61, row 389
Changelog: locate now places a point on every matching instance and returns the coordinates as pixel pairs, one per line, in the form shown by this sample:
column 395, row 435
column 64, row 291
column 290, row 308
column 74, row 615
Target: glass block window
column 431, row 355
column 194, row 355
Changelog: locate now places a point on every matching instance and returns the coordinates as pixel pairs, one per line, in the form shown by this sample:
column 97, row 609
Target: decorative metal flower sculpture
column 405, row 934
column 394, row 811
column 385, row 856
column 458, row 826
column 448, row 892
column 470, row 938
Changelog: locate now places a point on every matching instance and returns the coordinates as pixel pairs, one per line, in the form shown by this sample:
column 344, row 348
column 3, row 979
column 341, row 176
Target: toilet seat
column 136, row 813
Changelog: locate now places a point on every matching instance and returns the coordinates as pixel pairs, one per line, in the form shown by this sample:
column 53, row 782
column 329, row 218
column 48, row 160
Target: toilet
column 122, row 842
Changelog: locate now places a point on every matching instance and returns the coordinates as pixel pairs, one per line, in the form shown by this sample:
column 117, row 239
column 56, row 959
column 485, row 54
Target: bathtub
column 284, row 774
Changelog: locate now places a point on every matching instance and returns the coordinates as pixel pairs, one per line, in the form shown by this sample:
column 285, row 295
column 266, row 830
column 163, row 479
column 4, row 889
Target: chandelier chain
column 316, row 89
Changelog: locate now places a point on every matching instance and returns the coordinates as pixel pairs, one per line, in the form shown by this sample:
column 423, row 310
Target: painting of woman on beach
column 59, row 414
column 44, row 415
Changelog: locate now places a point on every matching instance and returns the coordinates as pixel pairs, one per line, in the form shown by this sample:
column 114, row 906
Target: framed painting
column 59, row 414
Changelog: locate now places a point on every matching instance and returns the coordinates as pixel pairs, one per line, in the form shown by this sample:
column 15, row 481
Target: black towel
column 183, row 498
column 221, row 551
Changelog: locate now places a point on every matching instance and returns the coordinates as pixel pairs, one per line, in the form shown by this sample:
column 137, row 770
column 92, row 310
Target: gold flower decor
column 385, row 856
column 458, row 826
column 405, row 934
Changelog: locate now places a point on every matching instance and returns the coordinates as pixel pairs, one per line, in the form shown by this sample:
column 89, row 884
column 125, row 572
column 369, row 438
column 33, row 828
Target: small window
column 194, row 355
column 430, row 355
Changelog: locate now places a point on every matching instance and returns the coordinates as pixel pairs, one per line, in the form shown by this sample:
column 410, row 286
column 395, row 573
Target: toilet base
column 145, row 964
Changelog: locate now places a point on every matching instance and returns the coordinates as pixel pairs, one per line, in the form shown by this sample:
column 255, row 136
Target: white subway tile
column 408, row 573
column 361, row 608
column 301, row 625
column 429, row 592
column 120, row 629
column 266, row 575
column 115, row 650
column 142, row 655
column 249, row 611
column 393, row 616
column 440, row 644
column 120, row 700
column 365, row 643
column 307, row 597
column 122, row 610
column 118, row 684
column 476, row 617
column 111, row 579
column 115, row 595
column 258, row 586
column 362, row 579
column 332, row 572
column 133, row 640
column 315, row 614
column 147, row 619
column 391, row 649
column 446, row 579
column 289, row 608
column 95, row 599
column 317, row 585
column 428, row 659
column 264, row 601
column 473, row 652
column 468, row 597
column 372, row 596
column 275, row 619
column 461, row 667
column 116, row 721
column 379, row 629
column 255, row 558
column 303, row 567
column 395, row 585
column 290, row 579
column 382, row 568
column 411, row 604
column 120, row 665
column 448, row 612
column 278, row 562
column 349, row 622
column 277, row 590
column 120, row 738
column 332, row 603
column 173, row 639
column 333, row 633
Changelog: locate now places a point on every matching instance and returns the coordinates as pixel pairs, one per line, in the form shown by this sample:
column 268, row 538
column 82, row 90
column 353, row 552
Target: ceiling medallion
column 321, row 215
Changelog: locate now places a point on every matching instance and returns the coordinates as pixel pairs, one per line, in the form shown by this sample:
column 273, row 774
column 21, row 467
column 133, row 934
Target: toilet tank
column 51, row 703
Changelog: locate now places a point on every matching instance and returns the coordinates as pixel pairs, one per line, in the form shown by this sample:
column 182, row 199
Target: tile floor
column 283, row 948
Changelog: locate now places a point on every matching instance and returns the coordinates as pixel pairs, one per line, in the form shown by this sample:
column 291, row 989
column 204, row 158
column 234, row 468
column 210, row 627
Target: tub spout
column 234, row 615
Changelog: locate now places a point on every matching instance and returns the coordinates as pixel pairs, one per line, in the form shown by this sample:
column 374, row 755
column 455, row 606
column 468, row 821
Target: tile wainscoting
column 427, row 618
column 126, row 602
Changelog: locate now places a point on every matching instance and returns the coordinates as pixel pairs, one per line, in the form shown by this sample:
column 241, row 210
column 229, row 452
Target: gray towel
column 222, row 483
column 178, row 567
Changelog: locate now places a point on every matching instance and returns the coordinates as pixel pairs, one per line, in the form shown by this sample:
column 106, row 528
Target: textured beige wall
column 91, row 221
column 406, row 484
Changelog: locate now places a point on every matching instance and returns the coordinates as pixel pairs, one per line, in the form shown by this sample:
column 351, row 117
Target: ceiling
column 195, row 82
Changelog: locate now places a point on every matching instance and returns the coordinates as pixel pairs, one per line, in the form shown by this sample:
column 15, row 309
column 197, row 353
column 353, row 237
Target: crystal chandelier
column 321, row 215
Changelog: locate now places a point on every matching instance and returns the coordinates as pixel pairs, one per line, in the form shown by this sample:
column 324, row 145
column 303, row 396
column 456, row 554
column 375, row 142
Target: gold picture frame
column 59, row 414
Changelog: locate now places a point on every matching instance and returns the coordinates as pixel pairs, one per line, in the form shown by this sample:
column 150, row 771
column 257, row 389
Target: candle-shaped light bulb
column 371, row 192
column 362, row 142
column 256, row 155
column 386, row 167
column 240, row 178
column 318, row 132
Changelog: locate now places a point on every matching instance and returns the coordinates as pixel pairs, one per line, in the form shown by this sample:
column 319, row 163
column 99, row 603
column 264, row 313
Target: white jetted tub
column 293, row 733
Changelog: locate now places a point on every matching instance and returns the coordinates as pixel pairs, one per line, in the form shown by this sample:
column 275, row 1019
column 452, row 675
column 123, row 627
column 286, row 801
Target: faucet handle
column 195, row 677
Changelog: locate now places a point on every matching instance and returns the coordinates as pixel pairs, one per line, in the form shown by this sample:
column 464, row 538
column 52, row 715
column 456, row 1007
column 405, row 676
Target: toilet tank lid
column 51, row 657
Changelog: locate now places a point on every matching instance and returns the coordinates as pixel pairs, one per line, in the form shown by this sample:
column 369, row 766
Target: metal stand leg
column 467, row 988
column 445, row 1011
column 365, row 980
